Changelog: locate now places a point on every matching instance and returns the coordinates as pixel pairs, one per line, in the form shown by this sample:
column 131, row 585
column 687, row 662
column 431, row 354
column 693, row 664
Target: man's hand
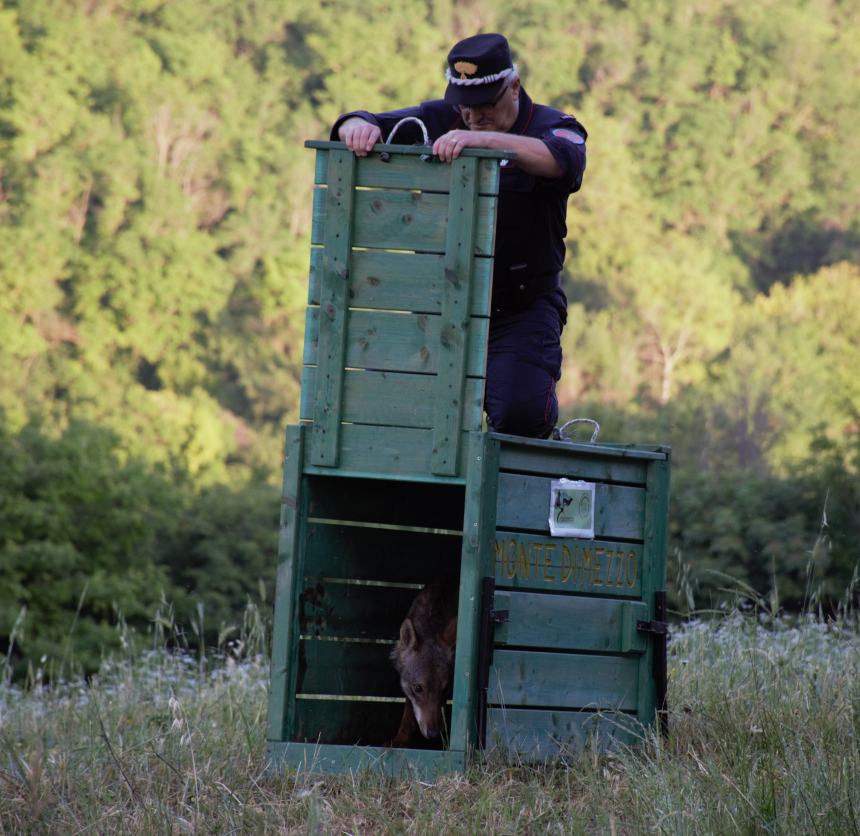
column 448, row 147
column 359, row 135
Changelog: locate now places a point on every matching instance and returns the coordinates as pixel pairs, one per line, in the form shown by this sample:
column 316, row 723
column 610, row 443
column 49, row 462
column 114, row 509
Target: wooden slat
column 646, row 452
column 414, row 764
column 389, row 452
column 379, row 554
column 397, row 220
column 403, row 172
column 454, row 332
column 479, row 524
column 563, row 680
column 348, row 722
column 535, row 735
column 653, row 575
column 413, row 150
column 524, row 504
column 339, row 610
column 402, row 281
column 551, row 564
column 339, row 203
column 568, row 622
column 348, row 668
column 285, row 634
column 394, row 341
column 390, row 399
column 561, row 463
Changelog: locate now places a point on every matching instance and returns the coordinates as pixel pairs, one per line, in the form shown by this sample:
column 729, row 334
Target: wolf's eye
column 418, row 689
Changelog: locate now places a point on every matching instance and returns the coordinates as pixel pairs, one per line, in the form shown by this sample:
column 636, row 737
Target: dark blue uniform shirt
column 531, row 227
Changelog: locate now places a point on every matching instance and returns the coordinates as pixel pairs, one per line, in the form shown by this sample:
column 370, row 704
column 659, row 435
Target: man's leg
column 523, row 365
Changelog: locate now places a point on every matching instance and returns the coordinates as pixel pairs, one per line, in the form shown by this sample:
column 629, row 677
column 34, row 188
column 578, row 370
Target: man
column 485, row 106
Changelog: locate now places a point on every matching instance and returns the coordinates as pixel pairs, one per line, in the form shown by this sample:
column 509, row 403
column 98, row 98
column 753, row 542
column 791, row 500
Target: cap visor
column 473, row 94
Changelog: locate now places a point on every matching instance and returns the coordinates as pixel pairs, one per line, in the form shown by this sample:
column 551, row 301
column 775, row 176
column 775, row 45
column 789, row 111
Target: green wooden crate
column 389, row 482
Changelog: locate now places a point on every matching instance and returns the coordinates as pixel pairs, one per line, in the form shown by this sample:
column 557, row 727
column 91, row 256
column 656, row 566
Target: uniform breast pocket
column 515, row 219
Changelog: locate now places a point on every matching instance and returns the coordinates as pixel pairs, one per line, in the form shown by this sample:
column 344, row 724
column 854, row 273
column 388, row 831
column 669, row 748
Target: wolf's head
column 425, row 665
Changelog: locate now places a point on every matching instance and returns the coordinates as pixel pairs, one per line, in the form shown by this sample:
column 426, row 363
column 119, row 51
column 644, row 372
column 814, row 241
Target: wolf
column 424, row 658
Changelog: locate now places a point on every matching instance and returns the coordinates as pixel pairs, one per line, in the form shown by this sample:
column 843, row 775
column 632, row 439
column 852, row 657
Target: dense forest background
column 154, row 230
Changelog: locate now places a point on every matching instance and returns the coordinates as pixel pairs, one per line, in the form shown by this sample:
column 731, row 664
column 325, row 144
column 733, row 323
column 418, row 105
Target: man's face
column 494, row 116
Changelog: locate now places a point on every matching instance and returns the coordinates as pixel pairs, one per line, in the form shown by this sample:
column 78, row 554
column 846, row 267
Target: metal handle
column 559, row 435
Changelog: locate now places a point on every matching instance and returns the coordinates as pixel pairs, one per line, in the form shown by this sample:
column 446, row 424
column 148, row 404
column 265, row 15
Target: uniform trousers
column 523, row 366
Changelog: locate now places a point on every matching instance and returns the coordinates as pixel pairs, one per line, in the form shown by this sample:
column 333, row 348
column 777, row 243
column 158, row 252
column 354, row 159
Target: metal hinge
column 659, row 628
column 500, row 616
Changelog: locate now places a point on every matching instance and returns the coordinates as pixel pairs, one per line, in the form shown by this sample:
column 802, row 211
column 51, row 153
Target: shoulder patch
column 570, row 136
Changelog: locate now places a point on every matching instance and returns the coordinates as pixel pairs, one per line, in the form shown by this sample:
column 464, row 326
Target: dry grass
column 765, row 739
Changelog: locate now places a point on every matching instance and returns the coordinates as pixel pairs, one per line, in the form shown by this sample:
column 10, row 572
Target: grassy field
column 765, row 720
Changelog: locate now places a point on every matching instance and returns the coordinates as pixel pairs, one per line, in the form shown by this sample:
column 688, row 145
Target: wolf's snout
column 430, row 726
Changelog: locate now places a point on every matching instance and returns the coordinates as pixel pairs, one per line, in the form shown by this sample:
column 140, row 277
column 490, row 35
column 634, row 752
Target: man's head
column 483, row 83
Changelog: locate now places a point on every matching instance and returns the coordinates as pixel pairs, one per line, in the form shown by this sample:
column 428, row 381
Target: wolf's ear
column 407, row 635
column 449, row 637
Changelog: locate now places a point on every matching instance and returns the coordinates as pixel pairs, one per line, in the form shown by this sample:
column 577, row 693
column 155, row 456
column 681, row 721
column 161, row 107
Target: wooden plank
column 454, row 332
column 397, row 341
column 524, row 504
column 570, row 464
column 379, row 554
column 413, row 764
column 414, row 150
column 563, row 680
column 389, row 399
column 653, row 575
column 285, row 631
column 389, row 452
column 648, row 452
column 339, row 203
column 568, row 622
column 402, row 281
column 347, row 668
column 478, row 527
column 554, row 564
column 347, row 722
column 341, row 610
column 404, row 171
column 535, row 735
column 398, row 220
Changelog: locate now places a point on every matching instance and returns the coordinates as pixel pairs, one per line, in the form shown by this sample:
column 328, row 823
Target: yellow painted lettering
column 510, row 562
column 619, row 567
column 566, row 563
column 586, row 565
column 596, row 566
column 632, row 568
column 524, row 561
column 547, row 567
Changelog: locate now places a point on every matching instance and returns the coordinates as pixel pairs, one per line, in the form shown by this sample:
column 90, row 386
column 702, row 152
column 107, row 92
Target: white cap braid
column 487, row 79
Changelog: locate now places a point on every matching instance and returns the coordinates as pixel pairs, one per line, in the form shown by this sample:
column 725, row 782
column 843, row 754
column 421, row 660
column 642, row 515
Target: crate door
column 397, row 323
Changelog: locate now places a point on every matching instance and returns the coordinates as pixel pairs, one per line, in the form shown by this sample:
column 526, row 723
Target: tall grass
column 765, row 738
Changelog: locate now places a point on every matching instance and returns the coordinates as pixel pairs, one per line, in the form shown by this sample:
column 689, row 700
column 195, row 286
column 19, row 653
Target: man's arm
column 533, row 156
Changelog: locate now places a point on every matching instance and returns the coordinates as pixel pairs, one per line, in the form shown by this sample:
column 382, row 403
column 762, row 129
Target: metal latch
column 658, row 628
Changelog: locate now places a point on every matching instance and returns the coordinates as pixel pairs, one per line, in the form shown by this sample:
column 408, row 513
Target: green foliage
column 222, row 555
column 154, row 224
column 78, row 531
column 88, row 541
